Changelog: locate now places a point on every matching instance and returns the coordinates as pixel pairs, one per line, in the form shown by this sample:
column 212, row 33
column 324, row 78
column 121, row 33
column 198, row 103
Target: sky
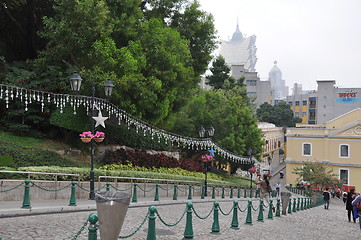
column 309, row 39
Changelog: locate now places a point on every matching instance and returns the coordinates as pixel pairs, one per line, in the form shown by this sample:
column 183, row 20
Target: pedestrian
column 350, row 197
column 265, row 186
column 278, row 188
column 326, row 198
column 357, row 203
column 333, row 192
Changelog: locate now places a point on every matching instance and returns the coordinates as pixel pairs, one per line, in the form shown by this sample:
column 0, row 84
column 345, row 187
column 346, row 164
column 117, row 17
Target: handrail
column 148, row 179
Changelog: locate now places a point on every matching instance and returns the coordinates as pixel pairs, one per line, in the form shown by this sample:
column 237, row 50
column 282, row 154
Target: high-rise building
column 278, row 85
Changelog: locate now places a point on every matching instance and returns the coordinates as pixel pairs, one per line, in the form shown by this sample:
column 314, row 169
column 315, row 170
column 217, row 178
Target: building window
column 252, row 82
column 297, row 103
column 290, row 103
column 252, row 94
column 344, row 151
column 304, row 103
column 306, row 149
column 344, row 176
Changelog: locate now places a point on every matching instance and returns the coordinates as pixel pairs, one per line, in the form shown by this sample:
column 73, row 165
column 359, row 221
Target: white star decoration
column 100, row 119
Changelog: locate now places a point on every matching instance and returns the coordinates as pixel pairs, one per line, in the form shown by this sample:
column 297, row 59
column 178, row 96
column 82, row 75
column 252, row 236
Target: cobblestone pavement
column 314, row 223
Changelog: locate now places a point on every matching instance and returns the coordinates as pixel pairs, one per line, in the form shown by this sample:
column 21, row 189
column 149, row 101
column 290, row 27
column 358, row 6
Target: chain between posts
column 81, row 230
column 241, row 209
column 136, row 230
column 49, row 190
column 195, row 213
column 225, row 214
column 7, row 190
column 165, row 189
column 146, row 190
column 171, row 225
column 181, row 189
column 82, row 188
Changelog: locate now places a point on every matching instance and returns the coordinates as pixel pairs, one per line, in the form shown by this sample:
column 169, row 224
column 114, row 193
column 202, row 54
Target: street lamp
column 75, row 82
column 206, row 133
column 249, row 153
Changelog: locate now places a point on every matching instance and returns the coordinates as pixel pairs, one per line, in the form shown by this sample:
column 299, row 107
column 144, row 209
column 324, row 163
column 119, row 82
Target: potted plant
column 86, row 136
column 99, row 136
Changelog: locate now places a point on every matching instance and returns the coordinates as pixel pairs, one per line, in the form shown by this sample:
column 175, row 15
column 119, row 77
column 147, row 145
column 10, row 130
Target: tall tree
column 280, row 114
column 220, row 73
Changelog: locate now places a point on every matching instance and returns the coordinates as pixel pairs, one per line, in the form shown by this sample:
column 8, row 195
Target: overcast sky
column 309, row 39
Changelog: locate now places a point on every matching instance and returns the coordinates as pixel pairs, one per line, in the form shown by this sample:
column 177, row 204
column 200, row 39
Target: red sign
column 347, row 94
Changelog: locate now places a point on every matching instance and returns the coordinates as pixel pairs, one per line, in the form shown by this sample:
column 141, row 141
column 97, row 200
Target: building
column 273, row 151
column 278, row 85
column 328, row 102
column 240, row 50
column 336, row 142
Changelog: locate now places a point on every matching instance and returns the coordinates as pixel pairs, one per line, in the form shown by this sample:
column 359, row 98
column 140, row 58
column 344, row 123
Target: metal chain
column 225, row 214
column 146, row 190
column 165, row 189
column 255, row 209
column 200, row 216
column 181, row 189
column 136, row 230
column 241, row 209
column 121, row 189
column 82, row 188
column 171, row 225
column 49, row 190
column 7, row 190
column 81, row 229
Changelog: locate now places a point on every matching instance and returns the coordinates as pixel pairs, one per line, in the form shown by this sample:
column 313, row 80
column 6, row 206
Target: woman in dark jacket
column 350, row 197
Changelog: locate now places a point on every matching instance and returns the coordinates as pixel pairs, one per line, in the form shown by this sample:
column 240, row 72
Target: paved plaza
column 314, row 223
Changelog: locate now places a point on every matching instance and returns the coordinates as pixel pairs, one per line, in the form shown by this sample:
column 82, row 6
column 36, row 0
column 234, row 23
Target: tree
column 220, row 73
column 317, row 174
column 280, row 114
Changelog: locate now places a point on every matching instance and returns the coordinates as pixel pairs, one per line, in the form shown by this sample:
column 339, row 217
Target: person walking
column 355, row 203
column 278, row 188
column 326, row 198
column 265, row 186
column 350, row 197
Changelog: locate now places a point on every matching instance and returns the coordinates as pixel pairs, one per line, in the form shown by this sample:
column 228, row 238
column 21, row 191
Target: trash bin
column 285, row 198
column 111, row 208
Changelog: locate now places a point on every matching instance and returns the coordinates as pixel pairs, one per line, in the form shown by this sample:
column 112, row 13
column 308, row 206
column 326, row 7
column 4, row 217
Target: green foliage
column 5, row 160
column 220, row 73
column 318, row 174
column 280, row 114
column 28, row 156
column 77, row 121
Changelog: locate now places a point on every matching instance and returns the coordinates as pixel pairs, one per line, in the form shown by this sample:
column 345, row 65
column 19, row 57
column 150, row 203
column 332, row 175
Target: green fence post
column 249, row 213
column 251, row 193
column 156, row 196
column 245, row 193
column 260, row 213
column 26, row 201
column 151, row 223
column 107, row 187
column 234, row 224
column 134, row 198
column 190, row 192
column 213, row 192
column 294, row 205
column 202, row 194
column 175, row 195
column 298, row 204
column 72, row 201
column 93, row 227
column 222, row 192
column 270, row 210
column 238, row 192
column 188, row 231
column 289, row 210
column 215, row 225
column 278, row 211
column 301, row 204
column 231, row 193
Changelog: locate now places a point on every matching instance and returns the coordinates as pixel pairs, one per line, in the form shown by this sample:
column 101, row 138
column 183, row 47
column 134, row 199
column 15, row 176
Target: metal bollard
column 175, row 195
column 215, row 225
column 156, row 196
column 202, row 194
column 151, row 223
column 260, row 213
column 270, row 210
column 249, row 213
column 278, row 212
column 289, row 211
column 107, row 187
column 238, row 192
column 189, row 192
column 234, row 224
column 134, row 198
column 72, row 201
column 294, row 205
column 188, row 232
column 245, row 193
column 213, row 192
column 231, row 193
column 93, row 227
column 26, row 201
column 222, row 192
